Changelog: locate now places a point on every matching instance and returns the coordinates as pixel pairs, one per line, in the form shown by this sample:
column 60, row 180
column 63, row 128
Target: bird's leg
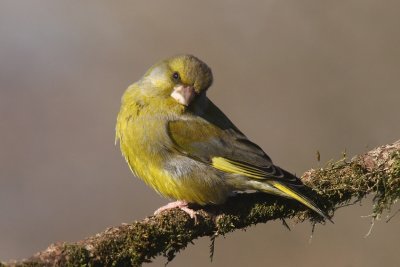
column 180, row 204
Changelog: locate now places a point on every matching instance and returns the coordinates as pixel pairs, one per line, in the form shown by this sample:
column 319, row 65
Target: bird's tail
column 295, row 194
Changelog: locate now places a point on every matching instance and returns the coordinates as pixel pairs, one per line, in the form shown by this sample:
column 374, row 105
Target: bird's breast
column 149, row 152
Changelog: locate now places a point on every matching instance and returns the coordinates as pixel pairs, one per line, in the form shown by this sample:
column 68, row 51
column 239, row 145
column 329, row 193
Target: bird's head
column 181, row 78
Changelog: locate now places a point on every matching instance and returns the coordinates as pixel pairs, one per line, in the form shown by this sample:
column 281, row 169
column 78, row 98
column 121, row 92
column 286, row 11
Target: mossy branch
column 377, row 172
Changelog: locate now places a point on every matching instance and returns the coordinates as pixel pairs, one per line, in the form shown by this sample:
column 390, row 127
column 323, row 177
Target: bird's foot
column 180, row 204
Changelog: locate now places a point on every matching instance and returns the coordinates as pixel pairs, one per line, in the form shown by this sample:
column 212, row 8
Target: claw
column 180, row 204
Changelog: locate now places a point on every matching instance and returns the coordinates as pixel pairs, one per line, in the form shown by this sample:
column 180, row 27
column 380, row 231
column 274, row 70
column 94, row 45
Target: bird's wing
column 214, row 140
column 224, row 148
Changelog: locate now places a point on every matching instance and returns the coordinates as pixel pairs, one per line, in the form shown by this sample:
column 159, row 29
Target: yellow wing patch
column 291, row 193
column 231, row 166
column 251, row 171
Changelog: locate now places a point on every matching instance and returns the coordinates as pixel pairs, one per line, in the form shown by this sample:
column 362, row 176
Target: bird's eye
column 176, row 76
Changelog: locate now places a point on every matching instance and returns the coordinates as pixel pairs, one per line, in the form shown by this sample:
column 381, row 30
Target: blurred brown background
column 295, row 76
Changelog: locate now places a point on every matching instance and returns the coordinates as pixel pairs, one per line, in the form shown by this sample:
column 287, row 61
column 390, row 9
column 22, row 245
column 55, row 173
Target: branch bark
column 377, row 172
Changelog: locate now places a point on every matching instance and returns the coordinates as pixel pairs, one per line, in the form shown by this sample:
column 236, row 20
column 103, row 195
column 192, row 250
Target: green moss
column 75, row 255
column 116, row 251
column 342, row 181
column 227, row 223
column 263, row 211
column 142, row 241
column 388, row 187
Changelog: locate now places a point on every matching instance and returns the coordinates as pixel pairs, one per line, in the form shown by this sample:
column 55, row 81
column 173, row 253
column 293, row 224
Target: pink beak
column 183, row 94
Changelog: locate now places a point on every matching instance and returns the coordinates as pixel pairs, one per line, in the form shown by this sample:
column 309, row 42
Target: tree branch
column 377, row 171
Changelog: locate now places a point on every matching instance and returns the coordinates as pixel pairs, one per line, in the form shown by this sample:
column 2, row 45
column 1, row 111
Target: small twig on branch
column 377, row 171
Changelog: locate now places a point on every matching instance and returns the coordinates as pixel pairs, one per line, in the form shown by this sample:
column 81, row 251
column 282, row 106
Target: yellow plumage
column 179, row 143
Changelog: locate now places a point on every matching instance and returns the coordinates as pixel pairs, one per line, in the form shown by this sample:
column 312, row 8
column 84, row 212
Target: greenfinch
column 183, row 146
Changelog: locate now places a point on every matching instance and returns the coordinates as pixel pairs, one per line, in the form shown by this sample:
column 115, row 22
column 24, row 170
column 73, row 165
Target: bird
column 182, row 145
